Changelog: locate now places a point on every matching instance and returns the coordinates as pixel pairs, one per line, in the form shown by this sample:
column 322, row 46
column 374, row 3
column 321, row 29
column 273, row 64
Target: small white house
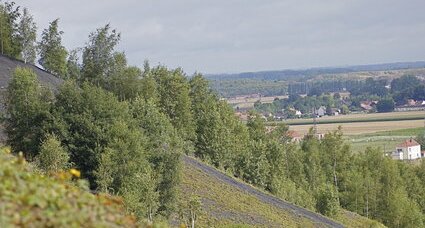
column 321, row 111
column 408, row 150
column 298, row 113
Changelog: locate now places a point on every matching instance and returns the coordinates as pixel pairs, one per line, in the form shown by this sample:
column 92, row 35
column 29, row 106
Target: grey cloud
column 247, row 35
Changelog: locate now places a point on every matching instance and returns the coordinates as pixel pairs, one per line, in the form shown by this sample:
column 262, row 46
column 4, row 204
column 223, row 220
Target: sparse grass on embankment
column 224, row 205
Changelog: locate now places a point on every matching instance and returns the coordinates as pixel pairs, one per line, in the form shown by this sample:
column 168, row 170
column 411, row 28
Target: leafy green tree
column 165, row 148
column 9, row 15
column 385, row 105
column 132, row 176
column 337, row 96
column 52, row 53
column 86, row 116
column 420, row 138
column 98, row 55
column 27, row 34
column 418, row 195
column 336, row 156
column 149, row 87
column 124, row 81
column 315, row 91
column 190, row 210
column 52, row 157
column 28, row 106
column 395, row 208
column 329, row 110
column 73, row 66
column 104, row 174
column 313, row 162
column 215, row 125
column 353, row 198
column 403, row 83
column 106, row 144
column 327, row 200
column 173, row 89
column 140, row 195
column 344, row 109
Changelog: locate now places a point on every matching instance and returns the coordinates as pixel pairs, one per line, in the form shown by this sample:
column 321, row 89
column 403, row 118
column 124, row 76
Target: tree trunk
column 193, row 222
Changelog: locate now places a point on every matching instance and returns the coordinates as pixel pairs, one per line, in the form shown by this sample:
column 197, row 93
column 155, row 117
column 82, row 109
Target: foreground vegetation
column 30, row 199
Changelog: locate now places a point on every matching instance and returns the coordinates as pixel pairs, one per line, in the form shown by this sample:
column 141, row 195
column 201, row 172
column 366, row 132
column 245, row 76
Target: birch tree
column 27, row 33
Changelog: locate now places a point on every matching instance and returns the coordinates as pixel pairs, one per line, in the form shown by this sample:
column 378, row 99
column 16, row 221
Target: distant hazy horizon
column 247, row 36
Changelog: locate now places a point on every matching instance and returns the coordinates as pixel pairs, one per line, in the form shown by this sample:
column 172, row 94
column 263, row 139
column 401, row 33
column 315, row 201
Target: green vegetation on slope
column 226, row 206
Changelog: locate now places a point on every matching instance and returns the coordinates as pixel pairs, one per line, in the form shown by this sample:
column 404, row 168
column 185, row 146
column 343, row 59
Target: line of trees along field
column 126, row 128
column 402, row 89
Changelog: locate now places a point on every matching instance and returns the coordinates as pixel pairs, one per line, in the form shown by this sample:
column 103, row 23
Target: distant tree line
column 387, row 95
column 232, row 88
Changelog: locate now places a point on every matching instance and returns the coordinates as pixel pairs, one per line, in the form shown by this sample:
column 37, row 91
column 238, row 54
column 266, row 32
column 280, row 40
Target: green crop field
column 357, row 124
column 358, row 128
column 386, row 140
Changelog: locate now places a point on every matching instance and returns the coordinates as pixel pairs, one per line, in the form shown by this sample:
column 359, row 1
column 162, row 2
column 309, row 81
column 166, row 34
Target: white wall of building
column 408, row 153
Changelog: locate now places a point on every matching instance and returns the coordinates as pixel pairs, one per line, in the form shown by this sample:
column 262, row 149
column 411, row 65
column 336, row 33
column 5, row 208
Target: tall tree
column 52, row 157
column 73, row 66
column 52, row 53
column 9, row 42
column 98, row 55
column 124, row 81
column 173, row 89
column 28, row 107
column 27, row 33
column 165, row 148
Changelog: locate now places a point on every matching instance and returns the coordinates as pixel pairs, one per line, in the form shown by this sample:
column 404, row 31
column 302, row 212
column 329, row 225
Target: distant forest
column 272, row 83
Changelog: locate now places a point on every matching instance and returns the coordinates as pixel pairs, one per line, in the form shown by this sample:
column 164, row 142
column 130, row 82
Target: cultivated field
column 358, row 128
column 248, row 102
column 363, row 117
column 386, row 140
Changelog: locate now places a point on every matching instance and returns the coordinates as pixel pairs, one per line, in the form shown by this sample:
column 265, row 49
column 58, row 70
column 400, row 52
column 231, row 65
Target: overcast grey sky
column 246, row 35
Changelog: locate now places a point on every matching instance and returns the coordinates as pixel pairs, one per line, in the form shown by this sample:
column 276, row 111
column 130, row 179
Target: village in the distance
column 359, row 102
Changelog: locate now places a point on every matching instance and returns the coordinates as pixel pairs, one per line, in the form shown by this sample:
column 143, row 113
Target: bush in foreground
column 28, row 199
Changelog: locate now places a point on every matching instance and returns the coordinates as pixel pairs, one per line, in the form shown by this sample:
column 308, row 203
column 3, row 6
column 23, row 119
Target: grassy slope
column 225, row 206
